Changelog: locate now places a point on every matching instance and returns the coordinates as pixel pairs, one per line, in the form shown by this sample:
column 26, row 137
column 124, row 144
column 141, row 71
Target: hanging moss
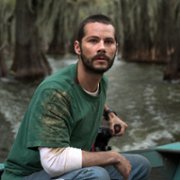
column 148, row 31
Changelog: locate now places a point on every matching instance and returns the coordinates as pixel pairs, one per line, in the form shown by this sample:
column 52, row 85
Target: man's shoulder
column 104, row 80
column 63, row 78
column 67, row 72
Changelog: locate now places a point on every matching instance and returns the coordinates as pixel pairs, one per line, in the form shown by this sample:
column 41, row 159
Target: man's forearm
column 107, row 158
column 99, row 158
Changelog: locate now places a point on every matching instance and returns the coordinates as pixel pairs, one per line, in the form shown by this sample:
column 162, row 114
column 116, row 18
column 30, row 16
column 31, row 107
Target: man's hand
column 114, row 120
column 124, row 167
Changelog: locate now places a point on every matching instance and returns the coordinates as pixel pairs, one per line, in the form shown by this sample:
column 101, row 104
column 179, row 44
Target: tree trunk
column 172, row 71
column 3, row 68
column 57, row 45
column 6, row 9
column 145, row 26
column 63, row 34
column 29, row 63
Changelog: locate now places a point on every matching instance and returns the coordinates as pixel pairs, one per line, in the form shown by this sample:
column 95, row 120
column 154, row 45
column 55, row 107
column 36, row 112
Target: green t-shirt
column 60, row 114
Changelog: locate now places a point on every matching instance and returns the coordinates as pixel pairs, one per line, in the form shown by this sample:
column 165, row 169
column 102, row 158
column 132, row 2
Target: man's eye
column 109, row 42
column 93, row 40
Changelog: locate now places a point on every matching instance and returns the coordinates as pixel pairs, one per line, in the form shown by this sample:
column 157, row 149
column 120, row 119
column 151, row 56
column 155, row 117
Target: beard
column 88, row 63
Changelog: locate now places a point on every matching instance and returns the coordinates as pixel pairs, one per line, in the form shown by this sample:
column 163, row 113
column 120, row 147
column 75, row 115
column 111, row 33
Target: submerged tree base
column 3, row 67
column 172, row 70
column 171, row 75
column 145, row 55
column 6, row 139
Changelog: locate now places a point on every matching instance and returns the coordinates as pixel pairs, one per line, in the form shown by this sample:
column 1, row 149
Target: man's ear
column 77, row 48
column 117, row 48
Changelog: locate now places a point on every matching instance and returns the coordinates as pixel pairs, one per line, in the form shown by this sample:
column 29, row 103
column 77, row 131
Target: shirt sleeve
column 57, row 161
column 49, row 119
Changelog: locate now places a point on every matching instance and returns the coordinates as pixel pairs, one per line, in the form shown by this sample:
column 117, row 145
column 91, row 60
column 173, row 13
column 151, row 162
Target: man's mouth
column 101, row 57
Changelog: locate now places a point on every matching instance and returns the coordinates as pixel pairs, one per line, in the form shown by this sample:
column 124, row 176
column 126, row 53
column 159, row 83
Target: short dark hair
column 91, row 19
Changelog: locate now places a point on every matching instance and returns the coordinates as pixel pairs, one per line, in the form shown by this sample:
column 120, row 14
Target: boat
column 164, row 159
column 1, row 169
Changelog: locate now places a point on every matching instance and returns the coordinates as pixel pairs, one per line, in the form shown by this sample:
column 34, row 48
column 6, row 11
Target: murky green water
column 150, row 106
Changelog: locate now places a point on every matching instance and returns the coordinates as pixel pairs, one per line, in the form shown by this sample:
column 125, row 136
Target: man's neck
column 87, row 81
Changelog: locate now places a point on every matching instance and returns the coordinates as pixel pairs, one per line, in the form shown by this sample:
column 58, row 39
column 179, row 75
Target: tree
column 6, row 17
column 3, row 67
column 29, row 62
column 172, row 71
column 63, row 26
column 151, row 33
column 67, row 20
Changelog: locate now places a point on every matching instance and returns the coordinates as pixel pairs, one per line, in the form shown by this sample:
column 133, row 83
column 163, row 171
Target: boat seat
column 1, row 169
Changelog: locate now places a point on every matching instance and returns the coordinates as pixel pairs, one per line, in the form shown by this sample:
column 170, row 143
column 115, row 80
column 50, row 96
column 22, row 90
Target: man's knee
column 141, row 167
column 99, row 173
column 146, row 166
column 144, row 162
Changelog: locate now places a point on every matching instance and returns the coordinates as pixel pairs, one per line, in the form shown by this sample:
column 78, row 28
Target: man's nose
column 101, row 46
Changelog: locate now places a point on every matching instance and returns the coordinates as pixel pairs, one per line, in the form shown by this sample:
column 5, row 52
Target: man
column 62, row 121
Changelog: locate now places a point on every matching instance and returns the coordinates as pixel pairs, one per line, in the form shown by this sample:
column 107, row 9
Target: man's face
column 98, row 47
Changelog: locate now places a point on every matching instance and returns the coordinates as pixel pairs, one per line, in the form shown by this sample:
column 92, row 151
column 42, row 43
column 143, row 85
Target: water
column 150, row 106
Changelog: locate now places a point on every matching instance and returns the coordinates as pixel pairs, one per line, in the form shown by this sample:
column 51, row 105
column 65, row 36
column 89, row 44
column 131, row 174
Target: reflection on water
column 149, row 105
